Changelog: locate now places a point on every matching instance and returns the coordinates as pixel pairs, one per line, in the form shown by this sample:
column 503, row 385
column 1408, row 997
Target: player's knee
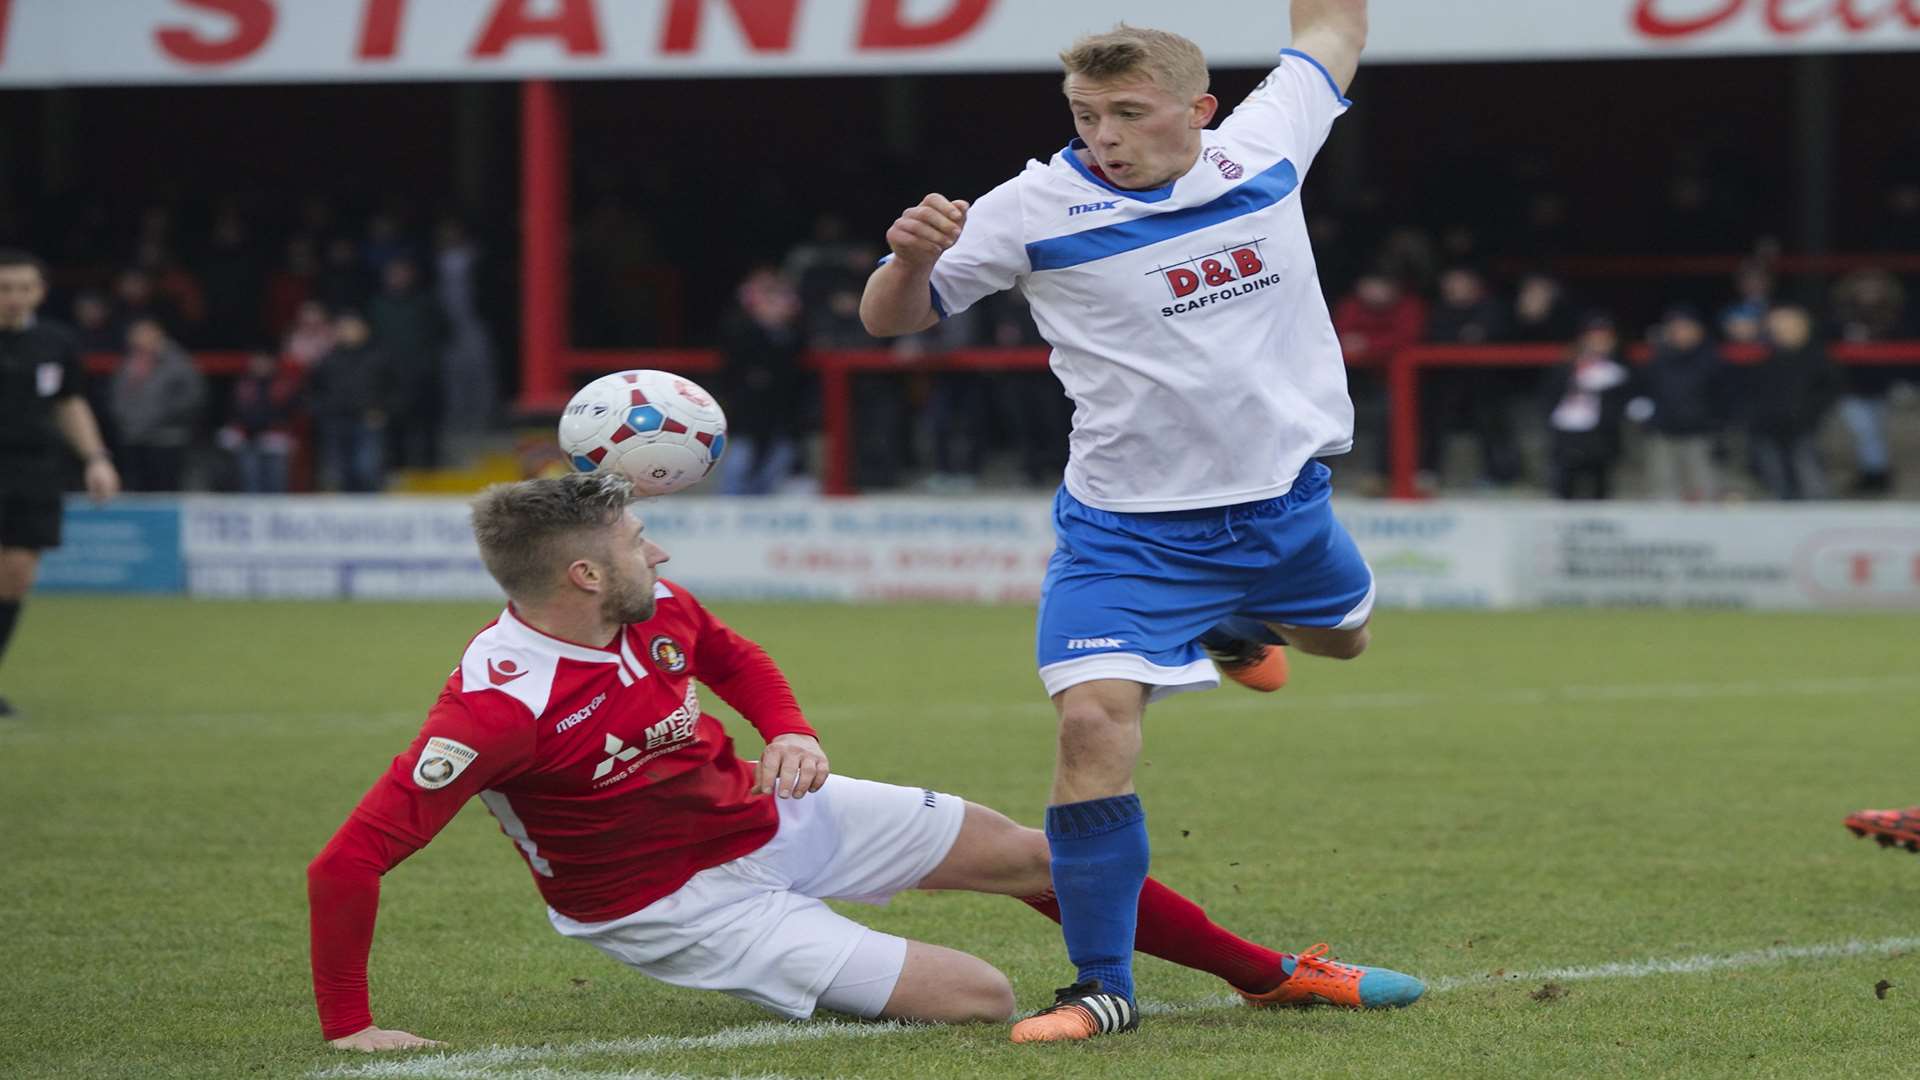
column 987, row 999
column 1349, row 646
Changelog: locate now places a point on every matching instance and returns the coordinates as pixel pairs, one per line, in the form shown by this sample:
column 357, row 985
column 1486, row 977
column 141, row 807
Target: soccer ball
column 662, row 431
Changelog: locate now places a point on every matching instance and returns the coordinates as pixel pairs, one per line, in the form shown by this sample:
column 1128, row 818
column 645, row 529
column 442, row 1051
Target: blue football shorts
column 1127, row 595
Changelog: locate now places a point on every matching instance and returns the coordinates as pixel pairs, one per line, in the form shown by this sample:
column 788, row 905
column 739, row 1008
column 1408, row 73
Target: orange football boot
column 1312, row 979
column 1254, row 665
column 1892, row 828
column 1078, row 1012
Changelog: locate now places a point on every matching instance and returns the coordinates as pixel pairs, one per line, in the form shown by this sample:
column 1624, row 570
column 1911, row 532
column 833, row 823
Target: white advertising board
column 86, row 42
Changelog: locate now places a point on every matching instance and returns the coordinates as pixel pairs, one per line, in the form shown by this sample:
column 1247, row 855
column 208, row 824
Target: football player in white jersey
column 1167, row 262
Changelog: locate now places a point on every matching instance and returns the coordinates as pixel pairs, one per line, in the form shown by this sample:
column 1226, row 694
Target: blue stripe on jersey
column 1323, row 70
column 1256, row 194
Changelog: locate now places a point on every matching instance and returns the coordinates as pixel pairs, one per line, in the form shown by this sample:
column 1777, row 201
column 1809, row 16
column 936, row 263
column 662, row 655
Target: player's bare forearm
column 1332, row 32
column 897, row 300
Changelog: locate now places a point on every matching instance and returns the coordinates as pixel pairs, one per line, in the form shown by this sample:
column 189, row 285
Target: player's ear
column 585, row 575
column 1204, row 108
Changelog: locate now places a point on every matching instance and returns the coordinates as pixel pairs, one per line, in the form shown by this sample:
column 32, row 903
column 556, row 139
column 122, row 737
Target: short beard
column 624, row 603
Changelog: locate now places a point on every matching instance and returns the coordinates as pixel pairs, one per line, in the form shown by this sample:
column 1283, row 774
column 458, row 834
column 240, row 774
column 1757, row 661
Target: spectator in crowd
column 134, row 300
column 352, row 390
column 156, row 397
column 93, row 324
column 260, row 421
column 1745, row 319
column 958, row 404
column 310, row 337
column 175, row 286
column 1040, row 412
column 386, row 243
column 292, row 284
column 1542, row 311
column 235, row 283
column 1377, row 319
column 761, row 346
column 341, row 281
column 472, row 390
column 1587, row 397
column 1869, row 305
column 1790, row 395
column 1477, row 400
column 412, row 334
column 1682, row 390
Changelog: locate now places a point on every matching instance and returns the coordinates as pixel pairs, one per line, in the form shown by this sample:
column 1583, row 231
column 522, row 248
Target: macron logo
column 1092, row 207
column 1074, row 644
column 580, row 714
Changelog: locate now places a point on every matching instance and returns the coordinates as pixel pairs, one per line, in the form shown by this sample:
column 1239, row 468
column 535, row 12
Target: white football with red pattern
column 660, row 429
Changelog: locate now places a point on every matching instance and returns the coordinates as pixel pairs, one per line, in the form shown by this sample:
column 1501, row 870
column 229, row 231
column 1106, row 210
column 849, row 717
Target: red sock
column 1175, row 928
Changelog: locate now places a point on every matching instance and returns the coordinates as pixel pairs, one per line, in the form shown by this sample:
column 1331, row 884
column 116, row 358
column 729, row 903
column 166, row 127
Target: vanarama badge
column 441, row 762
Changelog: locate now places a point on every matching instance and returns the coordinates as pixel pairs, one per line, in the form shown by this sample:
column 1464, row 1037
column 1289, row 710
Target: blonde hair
column 1174, row 62
column 531, row 531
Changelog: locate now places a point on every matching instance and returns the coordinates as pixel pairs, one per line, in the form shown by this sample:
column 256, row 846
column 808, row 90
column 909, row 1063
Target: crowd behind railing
column 366, row 343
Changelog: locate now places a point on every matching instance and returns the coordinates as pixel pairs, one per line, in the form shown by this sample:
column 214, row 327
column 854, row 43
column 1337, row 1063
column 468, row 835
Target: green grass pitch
column 1496, row 802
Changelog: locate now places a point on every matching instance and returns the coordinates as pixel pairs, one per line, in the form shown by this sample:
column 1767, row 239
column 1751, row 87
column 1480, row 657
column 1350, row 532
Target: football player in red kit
column 575, row 718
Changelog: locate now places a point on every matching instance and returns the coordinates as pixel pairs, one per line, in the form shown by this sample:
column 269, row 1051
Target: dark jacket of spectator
column 265, row 401
column 351, row 381
column 1791, row 391
column 1467, row 314
column 761, row 345
column 1686, row 387
column 156, row 397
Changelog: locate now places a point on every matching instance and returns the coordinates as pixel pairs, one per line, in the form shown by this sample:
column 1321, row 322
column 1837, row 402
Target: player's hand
column 103, row 480
column 922, row 233
column 791, row 766
column 372, row 1038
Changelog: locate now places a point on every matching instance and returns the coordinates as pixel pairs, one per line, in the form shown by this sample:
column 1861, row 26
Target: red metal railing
column 837, row 369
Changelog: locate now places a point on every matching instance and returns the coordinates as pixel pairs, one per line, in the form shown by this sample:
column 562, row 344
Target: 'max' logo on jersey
column 1076, row 644
column 1092, row 207
column 1230, row 272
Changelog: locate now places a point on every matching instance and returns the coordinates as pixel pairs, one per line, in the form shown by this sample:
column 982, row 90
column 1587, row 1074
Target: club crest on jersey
column 1215, row 277
column 1228, row 168
column 441, row 762
column 667, row 655
column 502, row 672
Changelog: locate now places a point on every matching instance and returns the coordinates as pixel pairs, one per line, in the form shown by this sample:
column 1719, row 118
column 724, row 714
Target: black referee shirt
column 39, row 368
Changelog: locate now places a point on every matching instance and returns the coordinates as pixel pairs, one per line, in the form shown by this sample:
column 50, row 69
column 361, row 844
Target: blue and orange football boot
column 1892, row 828
column 1312, row 979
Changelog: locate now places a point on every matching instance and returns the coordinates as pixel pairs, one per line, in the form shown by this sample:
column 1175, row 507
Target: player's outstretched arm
column 897, row 300
column 1332, row 32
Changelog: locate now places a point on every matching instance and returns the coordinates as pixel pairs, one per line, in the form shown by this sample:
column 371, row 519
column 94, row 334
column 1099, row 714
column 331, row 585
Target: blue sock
column 1237, row 628
column 1099, row 864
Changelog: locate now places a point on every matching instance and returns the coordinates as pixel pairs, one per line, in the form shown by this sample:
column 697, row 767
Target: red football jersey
column 597, row 762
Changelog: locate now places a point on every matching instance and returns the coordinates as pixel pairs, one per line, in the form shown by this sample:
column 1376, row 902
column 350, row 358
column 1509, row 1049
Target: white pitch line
column 483, row 1064
column 1686, row 965
column 764, row 1034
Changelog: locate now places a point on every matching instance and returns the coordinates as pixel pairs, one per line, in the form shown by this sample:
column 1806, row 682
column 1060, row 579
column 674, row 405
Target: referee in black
column 42, row 406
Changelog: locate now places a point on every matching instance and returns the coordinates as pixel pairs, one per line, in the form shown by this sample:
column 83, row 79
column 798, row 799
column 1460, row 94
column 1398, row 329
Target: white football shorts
column 757, row 927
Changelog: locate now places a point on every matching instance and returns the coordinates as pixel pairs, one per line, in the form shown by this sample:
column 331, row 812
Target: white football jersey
column 1186, row 321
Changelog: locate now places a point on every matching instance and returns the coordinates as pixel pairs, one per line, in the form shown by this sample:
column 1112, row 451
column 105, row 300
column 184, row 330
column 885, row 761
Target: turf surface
column 1484, row 800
